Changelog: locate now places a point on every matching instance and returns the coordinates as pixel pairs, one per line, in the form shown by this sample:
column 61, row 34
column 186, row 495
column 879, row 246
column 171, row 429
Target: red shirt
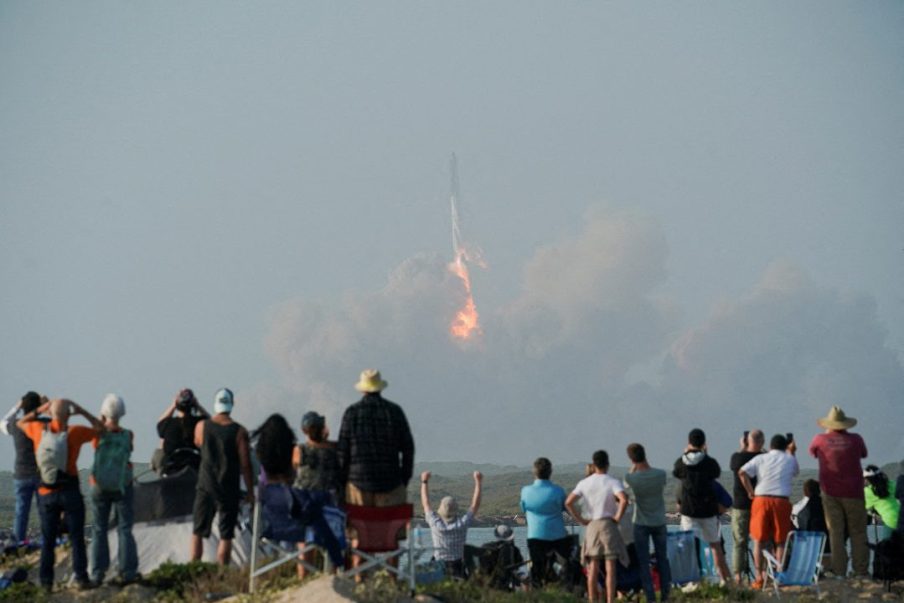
column 839, row 454
column 77, row 435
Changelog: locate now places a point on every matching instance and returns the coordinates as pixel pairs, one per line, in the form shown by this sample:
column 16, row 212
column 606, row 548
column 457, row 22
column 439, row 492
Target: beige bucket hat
column 370, row 382
column 836, row 419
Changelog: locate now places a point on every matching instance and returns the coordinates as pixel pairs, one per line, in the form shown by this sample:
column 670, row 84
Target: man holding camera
column 751, row 446
column 177, row 434
column 770, row 513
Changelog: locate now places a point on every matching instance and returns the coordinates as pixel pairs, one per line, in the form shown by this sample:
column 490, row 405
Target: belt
column 771, row 496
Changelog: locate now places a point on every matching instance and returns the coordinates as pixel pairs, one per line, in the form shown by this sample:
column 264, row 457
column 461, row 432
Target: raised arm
column 7, row 419
column 478, row 486
column 425, row 493
column 32, row 416
column 169, row 410
column 95, row 422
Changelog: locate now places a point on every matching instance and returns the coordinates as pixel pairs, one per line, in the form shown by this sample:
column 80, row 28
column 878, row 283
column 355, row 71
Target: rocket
column 453, row 202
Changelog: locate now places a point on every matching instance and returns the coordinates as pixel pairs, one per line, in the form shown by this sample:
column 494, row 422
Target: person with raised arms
column 57, row 445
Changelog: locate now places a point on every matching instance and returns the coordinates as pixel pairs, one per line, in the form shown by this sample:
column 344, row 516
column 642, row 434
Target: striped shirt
column 449, row 538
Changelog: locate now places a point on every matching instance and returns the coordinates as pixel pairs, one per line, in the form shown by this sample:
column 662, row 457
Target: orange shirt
column 77, row 436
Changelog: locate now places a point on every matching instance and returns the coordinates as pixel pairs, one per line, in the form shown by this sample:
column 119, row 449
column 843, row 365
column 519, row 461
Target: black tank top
column 220, row 470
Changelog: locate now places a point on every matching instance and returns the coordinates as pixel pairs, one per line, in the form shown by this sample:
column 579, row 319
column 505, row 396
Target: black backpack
column 888, row 561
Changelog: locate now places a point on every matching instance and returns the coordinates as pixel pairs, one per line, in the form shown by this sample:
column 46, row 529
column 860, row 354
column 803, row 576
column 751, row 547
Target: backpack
column 111, row 462
column 888, row 559
column 51, row 456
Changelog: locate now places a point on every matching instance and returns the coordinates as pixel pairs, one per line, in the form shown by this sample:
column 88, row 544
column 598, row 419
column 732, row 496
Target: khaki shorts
column 355, row 496
column 705, row 528
column 602, row 540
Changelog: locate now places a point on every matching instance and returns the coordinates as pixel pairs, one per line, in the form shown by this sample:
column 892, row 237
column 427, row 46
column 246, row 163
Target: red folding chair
column 377, row 539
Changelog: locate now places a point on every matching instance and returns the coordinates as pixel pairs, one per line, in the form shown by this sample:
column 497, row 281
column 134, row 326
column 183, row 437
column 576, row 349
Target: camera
column 789, row 437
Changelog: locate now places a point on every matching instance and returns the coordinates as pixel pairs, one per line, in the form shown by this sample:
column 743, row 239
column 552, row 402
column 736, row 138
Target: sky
column 690, row 215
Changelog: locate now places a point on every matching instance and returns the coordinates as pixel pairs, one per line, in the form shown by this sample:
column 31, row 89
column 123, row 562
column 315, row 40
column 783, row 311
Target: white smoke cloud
column 554, row 373
column 780, row 357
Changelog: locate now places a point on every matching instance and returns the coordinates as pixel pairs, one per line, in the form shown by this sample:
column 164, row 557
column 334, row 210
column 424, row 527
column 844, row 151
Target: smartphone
column 746, row 433
column 789, row 437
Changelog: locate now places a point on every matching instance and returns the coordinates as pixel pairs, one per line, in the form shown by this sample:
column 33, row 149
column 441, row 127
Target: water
column 480, row 536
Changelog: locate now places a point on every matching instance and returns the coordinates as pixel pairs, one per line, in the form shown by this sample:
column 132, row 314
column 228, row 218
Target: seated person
column 880, row 497
column 274, row 446
column 316, row 466
column 500, row 560
column 448, row 529
column 807, row 513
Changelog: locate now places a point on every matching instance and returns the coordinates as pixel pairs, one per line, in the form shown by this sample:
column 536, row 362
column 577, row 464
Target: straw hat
column 836, row 419
column 370, row 382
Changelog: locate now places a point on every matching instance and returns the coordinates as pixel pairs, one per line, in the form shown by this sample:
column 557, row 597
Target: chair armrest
column 772, row 561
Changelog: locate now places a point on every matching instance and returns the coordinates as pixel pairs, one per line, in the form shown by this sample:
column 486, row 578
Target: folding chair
column 804, row 564
column 682, row 552
column 377, row 528
column 281, row 510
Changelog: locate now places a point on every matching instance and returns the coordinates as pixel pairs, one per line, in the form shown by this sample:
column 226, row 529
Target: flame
column 467, row 322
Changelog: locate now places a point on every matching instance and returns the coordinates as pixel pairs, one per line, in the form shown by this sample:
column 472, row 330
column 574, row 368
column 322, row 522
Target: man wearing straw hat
column 841, row 480
column 376, row 450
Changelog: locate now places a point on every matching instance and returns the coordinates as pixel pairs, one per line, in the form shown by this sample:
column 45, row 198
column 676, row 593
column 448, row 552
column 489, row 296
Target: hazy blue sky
column 691, row 213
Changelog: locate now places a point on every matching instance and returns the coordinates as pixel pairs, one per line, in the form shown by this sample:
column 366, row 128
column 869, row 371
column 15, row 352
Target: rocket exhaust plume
column 466, row 323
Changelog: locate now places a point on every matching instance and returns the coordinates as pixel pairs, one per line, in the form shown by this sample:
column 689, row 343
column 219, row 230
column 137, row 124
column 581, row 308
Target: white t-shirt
column 598, row 492
column 773, row 472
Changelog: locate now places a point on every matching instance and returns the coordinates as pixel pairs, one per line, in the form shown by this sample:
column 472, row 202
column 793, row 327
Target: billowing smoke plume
column 588, row 355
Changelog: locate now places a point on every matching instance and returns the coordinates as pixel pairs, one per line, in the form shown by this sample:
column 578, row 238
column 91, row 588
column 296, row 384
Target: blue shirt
column 543, row 503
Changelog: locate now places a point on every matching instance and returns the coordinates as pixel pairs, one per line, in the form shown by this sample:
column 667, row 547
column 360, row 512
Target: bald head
column 59, row 410
column 755, row 440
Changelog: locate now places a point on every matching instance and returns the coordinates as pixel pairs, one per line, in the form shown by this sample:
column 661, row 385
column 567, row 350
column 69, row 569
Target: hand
column 478, row 476
column 425, row 476
column 743, row 443
column 792, row 447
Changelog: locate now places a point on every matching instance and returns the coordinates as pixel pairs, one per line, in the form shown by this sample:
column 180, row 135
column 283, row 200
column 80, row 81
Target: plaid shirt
column 449, row 538
column 376, row 450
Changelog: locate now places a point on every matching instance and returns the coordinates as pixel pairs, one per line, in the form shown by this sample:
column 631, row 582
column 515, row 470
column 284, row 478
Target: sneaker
column 120, row 581
column 85, row 585
column 689, row 587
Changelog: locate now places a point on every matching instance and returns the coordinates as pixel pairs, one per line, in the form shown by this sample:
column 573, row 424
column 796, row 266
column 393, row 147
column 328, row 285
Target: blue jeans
column 101, row 506
column 642, row 536
column 26, row 489
column 63, row 504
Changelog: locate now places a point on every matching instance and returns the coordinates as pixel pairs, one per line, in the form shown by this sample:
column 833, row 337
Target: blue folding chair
column 804, row 564
column 288, row 515
column 682, row 551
